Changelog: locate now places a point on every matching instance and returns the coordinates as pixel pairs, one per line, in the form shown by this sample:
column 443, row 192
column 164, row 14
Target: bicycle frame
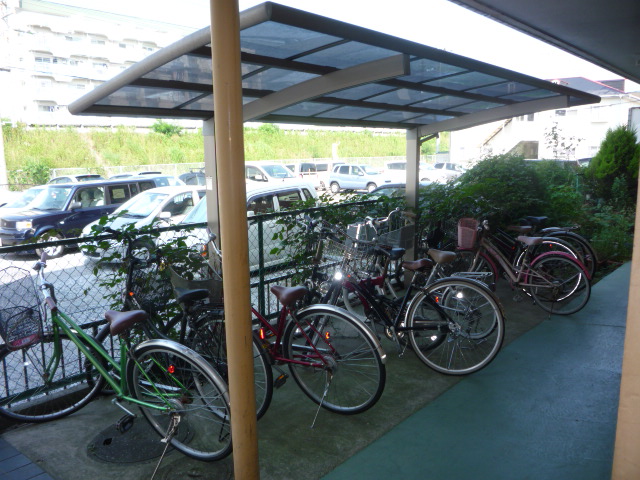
column 518, row 274
column 63, row 322
column 275, row 348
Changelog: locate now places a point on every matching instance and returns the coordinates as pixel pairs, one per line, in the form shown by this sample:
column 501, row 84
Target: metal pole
column 227, row 94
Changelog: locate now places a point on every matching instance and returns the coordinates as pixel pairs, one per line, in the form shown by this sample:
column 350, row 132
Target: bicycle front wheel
column 558, row 284
column 176, row 383
column 335, row 359
column 30, row 391
column 456, row 326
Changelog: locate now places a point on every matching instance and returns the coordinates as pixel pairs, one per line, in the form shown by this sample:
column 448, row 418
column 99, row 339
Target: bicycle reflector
column 327, row 335
column 171, row 369
column 437, row 298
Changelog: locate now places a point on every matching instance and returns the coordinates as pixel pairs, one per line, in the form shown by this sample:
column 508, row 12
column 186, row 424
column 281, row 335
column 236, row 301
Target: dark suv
column 63, row 210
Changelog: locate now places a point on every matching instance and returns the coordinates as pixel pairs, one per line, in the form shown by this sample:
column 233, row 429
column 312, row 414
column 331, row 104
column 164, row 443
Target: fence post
column 261, row 294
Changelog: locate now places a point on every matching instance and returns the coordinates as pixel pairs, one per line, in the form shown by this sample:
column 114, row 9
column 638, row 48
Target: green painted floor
column 546, row 409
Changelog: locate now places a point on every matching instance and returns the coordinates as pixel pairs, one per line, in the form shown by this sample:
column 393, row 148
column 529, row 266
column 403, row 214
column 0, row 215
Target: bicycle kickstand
column 173, row 426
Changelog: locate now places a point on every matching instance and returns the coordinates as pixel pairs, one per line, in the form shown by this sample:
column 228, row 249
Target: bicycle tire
column 558, row 284
column 456, row 326
column 586, row 253
column 26, row 397
column 209, row 340
column 162, row 372
column 354, row 376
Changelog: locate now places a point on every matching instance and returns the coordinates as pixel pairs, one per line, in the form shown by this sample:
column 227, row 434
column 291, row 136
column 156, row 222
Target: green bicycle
column 48, row 373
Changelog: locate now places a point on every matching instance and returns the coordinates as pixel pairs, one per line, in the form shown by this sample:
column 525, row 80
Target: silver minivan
column 356, row 177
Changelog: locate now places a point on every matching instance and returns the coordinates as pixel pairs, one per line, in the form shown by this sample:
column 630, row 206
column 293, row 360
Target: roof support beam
column 377, row 70
column 495, row 114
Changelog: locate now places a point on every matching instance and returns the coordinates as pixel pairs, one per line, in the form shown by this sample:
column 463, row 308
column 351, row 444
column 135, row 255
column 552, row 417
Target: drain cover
column 138, row 444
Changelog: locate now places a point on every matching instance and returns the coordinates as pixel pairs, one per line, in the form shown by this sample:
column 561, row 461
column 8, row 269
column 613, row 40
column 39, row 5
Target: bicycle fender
column 341, row 311
column 565, row 255
column 186, row 351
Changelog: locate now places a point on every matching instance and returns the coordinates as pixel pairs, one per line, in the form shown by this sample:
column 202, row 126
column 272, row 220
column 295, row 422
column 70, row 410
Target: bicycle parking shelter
column 298, row 67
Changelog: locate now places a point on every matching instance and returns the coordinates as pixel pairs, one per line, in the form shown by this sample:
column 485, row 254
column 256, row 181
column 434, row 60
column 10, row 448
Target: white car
column 273, row 173
column 261, row 198
column 397, row 171
column 163, row 206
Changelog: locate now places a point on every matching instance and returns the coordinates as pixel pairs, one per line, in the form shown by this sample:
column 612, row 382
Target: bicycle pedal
column 125, row 423
column 281, row 380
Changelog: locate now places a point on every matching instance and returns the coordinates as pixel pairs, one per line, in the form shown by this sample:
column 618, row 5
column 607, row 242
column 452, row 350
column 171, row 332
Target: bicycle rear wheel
column 209, row 340
column 558, row 284
column 341, row 366
column 27, row 394
column 166, row 374
column 456, row 326
column 586, row 253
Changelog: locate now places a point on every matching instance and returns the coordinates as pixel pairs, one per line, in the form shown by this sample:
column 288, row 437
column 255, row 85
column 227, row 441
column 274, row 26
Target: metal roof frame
column 344, row 75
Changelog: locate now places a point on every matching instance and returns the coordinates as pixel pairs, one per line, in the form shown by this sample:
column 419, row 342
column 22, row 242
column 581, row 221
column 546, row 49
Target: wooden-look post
column 626, row 457
column 232, row 199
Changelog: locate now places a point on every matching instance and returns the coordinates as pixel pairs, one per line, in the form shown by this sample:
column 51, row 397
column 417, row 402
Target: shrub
column 618, row 158
column 167, row 129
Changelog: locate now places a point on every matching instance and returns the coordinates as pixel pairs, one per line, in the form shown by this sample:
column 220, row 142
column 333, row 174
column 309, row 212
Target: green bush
column 618, row 158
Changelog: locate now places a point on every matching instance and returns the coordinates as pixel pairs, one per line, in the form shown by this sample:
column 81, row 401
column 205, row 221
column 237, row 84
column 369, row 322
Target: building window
column 561, row 113
column 122, row 45
column 96, row 41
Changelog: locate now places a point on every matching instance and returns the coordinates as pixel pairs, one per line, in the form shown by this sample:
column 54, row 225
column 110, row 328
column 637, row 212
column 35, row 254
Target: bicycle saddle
column 288, row 295
column 122, row 321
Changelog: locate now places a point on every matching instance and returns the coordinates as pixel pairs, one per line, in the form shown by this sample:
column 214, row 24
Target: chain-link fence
column 86, row 286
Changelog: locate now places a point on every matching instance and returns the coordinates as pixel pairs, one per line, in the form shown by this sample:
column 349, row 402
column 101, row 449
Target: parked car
column 392, row 190
column 261, row 198
column 163, row 206
column 85, row 177
column 445, row 171
column 268, row 172
column 133, row 174
column 17, row 200
column 63, row 210
column 194, row 177
column 356, row 177
column 305, row 171
column 397, row 171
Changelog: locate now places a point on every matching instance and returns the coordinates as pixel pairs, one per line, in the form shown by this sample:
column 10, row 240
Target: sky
column 437, row 23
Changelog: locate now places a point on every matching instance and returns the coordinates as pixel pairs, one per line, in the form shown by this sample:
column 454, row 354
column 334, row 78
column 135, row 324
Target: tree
column 618, row 158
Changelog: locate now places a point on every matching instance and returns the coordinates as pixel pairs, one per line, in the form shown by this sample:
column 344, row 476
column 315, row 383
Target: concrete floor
column 544, row 409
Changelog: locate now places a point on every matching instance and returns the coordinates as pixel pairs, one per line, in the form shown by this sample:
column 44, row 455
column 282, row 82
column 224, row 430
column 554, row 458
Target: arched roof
column 299, row 67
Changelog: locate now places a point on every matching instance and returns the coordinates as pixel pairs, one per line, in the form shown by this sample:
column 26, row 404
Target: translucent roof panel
column 299, row 67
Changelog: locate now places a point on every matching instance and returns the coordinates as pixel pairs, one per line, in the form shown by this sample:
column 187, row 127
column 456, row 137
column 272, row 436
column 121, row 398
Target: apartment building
column 565, row 134
column 51, row 54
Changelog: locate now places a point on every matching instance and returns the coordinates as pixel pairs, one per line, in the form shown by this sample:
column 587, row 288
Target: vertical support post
column 232, row 196
column 411, row 192
column 626, row 463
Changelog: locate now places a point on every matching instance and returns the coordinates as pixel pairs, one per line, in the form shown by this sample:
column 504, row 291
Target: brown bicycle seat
column 521, row 229
column 530, row 241
column 417, row 265
column 442, row 256
column 122, row 321
column 287, row 295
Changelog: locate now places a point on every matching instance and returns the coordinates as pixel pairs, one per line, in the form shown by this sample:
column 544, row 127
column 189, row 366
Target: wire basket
column 401, row 237
column 150, row 287
column 350, row 257
column 213, row 284
column 20, row 327
column 20, row 315
column 467, row 232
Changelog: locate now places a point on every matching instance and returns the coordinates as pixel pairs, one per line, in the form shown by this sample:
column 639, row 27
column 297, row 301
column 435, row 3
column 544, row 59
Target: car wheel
column 54, row 251
column 335, row 188
column 371, row 187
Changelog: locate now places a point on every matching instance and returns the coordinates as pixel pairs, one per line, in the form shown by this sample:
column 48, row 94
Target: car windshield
column 141, row 206
column 51, row 198
column 369, row 170
column 198, row 214
column 25, row 199
column 278, row 171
